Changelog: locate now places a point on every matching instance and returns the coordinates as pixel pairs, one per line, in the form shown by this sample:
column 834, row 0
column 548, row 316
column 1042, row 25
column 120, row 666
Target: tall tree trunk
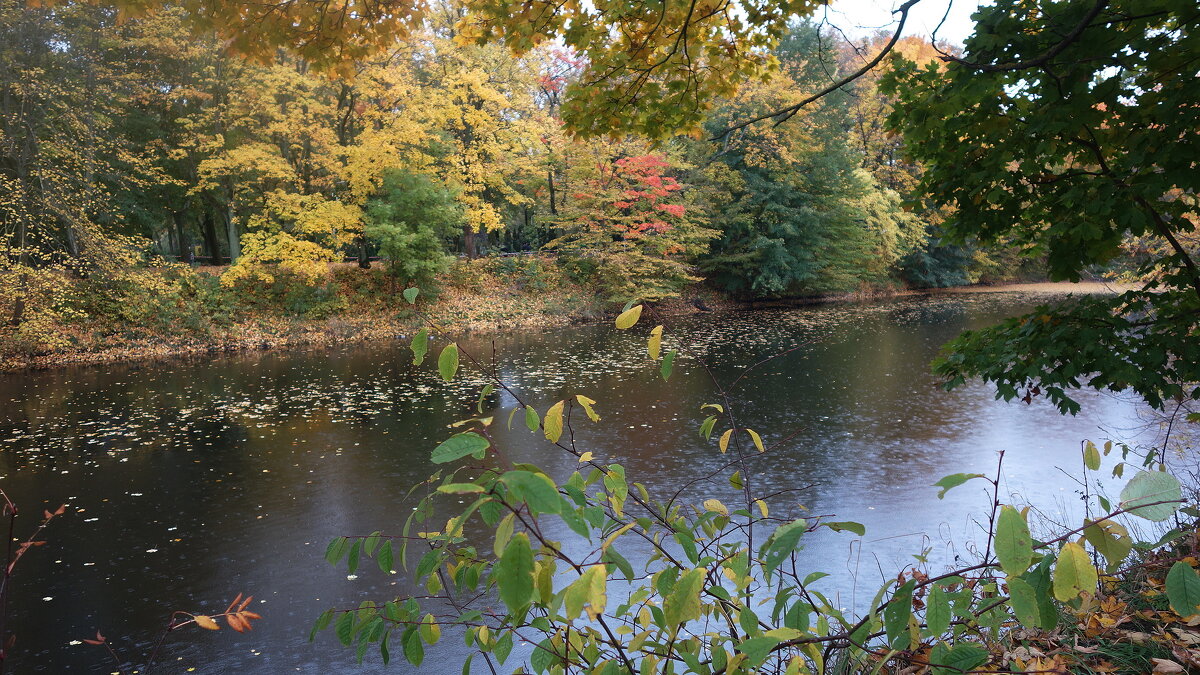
column 235, row 244
column 364, row 261
column 181, row 239
column 469, row 242
column 19, row 306
column 553, row 194
column 209, row 231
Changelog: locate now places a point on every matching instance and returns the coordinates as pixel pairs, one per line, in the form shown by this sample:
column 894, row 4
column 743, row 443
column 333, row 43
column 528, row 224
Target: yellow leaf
column 553, row 422
column 762, row 507
column 206, row 622
column 629, row 317
column 586, row 457
column 654, row 344
column 587, row 404
column 724, row 442
column 757, row 440
column 716, row 506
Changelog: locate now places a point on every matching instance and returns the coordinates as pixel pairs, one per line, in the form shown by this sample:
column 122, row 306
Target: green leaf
column 1183, row 589
column 848, row 526
column 758, row 649
column 1110, row 539
column 956, row 660
column 385, row 559
column 410, row 294
column 587, row 592
column 336, row 549
column 535, row 489
column 782, row 544
column 654, row 344
column 459, row 446
column 629, row 317
column 668, row 365
column 896, row 614
column 448, row 361
column 503, row 647
column 553, row 422
column 514, row 573
column 1023, row 600
column 532, row 420
column 420, row 346
column 1074, row 573
column 706, row 427
column 1014, row 545
column 460, row 488
column 487, row 391
column 937, row 611
column 1149, row 487
column 344, row 628
column 1091, row 456
column 321, row 624
column 683, row 602
column 543, row 656
column 414, row 651
column 952, row 481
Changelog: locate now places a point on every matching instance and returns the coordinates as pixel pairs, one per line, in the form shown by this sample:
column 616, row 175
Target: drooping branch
column 784, row 114
column 1040, row 59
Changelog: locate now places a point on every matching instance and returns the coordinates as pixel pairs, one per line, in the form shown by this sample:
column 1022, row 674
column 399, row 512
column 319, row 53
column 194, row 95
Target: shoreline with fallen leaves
column 479, row 308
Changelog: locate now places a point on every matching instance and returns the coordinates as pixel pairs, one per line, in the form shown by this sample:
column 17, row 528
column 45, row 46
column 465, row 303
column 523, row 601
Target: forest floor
column 487, row 294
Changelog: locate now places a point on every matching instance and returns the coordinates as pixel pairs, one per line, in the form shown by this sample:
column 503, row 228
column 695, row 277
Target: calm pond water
column 191, row 481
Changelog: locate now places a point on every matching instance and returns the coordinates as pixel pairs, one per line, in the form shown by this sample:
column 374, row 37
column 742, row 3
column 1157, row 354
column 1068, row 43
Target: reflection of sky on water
column 192, row 481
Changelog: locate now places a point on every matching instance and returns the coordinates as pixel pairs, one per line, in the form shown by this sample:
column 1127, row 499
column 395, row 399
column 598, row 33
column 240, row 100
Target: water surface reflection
column 192, row 481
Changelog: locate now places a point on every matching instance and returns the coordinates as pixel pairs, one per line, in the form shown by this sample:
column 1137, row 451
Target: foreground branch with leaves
column 720, row 589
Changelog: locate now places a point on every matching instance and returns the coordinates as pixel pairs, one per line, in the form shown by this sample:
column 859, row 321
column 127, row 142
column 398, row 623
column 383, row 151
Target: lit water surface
column 191, row 481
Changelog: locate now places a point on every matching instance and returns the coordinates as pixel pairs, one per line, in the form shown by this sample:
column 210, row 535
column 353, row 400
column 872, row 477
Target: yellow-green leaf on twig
column 683, row 602
column 1014, row 546
column 716, row 506
column 587, row 404
column 587, row 593
column 654, row 344
column 419, row 346
column 448, row 361
column 724, row 442
column 1183, row 589
column 1073, row 573
column 757, row 440
column 629, row 317
column 1091, row 456
column 553, row 422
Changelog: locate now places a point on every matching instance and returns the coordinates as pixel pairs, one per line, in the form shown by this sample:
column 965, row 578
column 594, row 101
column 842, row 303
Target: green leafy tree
column 1063, row 129
column 798, row 215
column 410, row 218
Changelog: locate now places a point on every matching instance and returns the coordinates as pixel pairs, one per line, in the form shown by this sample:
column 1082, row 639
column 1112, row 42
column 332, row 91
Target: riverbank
column 153, row 318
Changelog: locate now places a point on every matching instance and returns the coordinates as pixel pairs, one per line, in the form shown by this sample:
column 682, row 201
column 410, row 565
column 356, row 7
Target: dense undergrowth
column 157, row 310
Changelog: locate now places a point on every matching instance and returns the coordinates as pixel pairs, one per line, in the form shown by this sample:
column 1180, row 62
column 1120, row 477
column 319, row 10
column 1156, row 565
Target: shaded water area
column 191, row 481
